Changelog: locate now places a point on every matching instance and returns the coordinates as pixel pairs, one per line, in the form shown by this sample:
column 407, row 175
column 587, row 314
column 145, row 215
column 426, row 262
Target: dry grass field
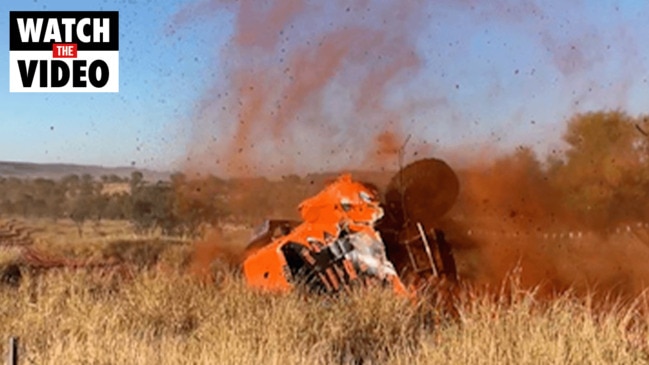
column 155, row 312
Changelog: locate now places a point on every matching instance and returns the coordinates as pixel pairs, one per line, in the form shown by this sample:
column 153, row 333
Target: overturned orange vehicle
column 339, row 243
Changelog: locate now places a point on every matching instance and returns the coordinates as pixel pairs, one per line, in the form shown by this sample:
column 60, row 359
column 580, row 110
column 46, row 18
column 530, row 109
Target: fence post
column 12, row 354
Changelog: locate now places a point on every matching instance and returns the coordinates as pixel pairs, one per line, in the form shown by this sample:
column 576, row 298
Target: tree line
column 600, row 177
column 597, row 179
column 177, row 206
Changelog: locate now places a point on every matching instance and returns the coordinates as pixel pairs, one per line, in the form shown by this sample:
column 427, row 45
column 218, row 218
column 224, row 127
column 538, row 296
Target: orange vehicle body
column 334, row 247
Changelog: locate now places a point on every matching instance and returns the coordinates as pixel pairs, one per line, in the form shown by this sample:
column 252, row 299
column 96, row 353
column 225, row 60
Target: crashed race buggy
column 340, row 243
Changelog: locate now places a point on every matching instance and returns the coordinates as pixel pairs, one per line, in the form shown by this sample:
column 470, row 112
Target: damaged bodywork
column 346, row 239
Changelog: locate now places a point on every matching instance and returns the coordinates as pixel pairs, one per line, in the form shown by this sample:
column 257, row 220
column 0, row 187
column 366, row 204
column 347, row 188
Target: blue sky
column 508, row 73
column 160, row 78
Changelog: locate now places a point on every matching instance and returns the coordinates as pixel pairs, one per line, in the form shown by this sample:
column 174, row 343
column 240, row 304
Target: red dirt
column 308, row 85
column 274, row 116
column 512, row 220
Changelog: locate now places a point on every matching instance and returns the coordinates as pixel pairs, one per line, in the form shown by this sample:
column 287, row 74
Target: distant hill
column 58, row 170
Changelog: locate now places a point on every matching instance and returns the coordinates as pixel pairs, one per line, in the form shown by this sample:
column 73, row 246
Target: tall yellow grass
column 81, row 317
column 159, row 316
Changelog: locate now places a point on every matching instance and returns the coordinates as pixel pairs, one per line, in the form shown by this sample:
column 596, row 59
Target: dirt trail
column 13, row 233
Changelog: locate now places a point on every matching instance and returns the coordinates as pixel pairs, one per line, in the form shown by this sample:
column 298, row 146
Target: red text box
column 64, row 50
